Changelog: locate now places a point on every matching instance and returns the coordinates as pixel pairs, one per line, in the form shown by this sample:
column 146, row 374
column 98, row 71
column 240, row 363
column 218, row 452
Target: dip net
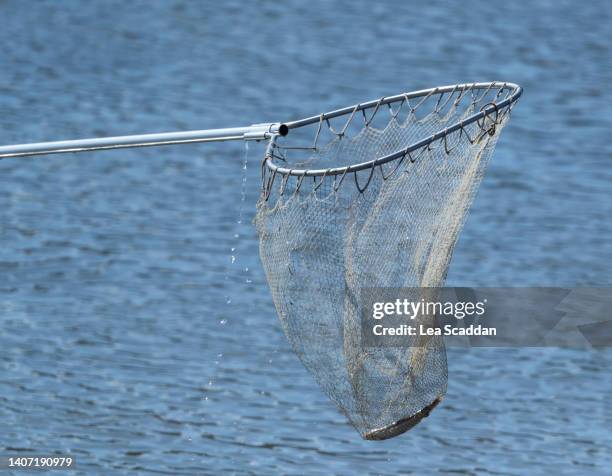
column 374, row 195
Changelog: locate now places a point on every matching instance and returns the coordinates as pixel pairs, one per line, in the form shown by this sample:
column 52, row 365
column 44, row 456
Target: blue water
column 131, row 338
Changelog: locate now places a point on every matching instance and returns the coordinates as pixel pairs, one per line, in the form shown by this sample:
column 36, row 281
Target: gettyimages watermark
column 487, row 317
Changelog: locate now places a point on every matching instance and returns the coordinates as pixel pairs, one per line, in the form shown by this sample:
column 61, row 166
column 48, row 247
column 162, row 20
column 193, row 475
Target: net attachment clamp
column 265, row 131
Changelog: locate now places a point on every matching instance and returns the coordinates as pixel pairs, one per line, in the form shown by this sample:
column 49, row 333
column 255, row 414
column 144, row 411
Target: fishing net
column 373, row 196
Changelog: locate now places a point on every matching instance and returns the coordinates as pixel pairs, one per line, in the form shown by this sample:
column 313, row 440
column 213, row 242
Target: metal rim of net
column 490, row 115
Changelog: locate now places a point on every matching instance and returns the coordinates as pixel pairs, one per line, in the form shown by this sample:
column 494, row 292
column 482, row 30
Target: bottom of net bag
column 401, row 426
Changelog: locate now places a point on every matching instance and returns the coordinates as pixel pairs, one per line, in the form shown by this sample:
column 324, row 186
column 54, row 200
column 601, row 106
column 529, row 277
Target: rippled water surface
column 138, row 332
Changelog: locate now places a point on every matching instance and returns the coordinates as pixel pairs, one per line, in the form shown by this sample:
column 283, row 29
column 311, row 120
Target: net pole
column 254, row 132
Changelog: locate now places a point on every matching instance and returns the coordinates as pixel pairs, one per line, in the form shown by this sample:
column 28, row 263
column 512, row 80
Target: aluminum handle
column 254, row 132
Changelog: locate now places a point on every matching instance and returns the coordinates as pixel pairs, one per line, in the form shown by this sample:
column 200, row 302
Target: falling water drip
column 233, row 258
column 243, row 185
column 237, row 236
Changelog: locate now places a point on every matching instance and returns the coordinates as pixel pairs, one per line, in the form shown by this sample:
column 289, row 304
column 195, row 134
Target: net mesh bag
column 373, row 197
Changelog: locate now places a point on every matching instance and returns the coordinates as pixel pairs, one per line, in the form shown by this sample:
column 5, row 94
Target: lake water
column 138, row 332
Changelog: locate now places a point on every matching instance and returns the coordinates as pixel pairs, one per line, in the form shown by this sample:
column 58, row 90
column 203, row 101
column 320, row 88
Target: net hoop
column 495, row 112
